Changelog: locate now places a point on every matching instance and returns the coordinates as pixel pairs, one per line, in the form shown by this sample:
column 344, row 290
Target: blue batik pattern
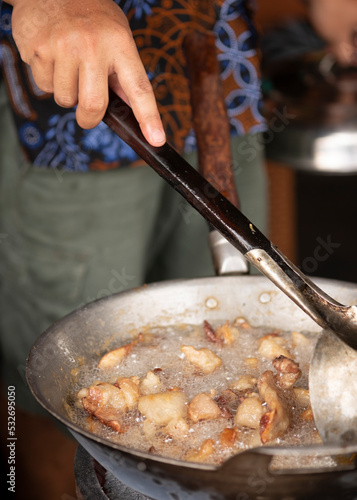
column 51, row 137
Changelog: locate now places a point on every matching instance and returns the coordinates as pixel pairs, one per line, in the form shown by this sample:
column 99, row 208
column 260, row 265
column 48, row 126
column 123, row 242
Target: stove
column 94, row 482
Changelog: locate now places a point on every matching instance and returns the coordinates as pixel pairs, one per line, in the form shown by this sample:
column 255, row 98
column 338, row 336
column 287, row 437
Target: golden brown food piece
column 252, row 362
column 203, row 454
column 113, row 358
column 105, row 402
column 276, row 420
column 271, row 346
column 104, row 393
column 210, row 333
column 130, row 389
column 228, row 437
column 226, row 397
column 227, row 333
column 227, row 401
column 244, row 383
column 204, row 359
column 202, row 407
column 177, row 428
column 163, row 407
column 241, row 323
column 249, row 412
column 288, row 372
column 149, row 428
column 299, row 339
column 83, row 393
column 307, row 415
column 105, row 415
column 251, row 439
column 302, row 396
column 151, row 384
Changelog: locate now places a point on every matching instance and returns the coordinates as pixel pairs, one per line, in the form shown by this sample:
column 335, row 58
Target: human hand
column 76, row 49
column 336, row 22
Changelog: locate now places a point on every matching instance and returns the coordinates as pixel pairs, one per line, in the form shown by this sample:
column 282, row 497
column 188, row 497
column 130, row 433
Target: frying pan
column 60, row 354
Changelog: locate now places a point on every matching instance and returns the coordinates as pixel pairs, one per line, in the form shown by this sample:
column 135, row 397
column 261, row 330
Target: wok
column 59, row 357
column 60, row 354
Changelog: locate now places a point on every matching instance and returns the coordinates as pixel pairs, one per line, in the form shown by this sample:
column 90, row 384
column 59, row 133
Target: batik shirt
column 49, row 134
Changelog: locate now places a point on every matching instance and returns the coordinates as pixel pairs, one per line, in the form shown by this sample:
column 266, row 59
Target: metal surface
column 323, row 309
column 333, row 390
column 325, row 150
column 312, row 115
column 56, row 360
column 93, row 482
column 227, row 260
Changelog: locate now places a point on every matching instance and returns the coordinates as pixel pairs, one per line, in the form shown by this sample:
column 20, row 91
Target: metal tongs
column 234, row 226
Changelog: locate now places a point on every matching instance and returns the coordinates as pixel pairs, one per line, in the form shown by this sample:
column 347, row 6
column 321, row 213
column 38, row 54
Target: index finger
column 134, row 83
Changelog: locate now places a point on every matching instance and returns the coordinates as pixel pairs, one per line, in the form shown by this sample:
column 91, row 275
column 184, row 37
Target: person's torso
column 50, row 135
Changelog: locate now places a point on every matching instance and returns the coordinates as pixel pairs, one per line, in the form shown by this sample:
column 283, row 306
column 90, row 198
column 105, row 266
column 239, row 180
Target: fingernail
column 158, row 136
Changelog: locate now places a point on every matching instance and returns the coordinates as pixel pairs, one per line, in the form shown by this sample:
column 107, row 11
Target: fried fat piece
column 227, row 401
column 227, row 333
column 276, row 420
column 103, row 394
column 210, row 333
column 163, row 407
column 202, row 407
column 228, row 396
column 271, row 346
column 228, row 437
column 204, row 359
column 105, row 415
column 130, row 389
column 307, row 415
column 249, row 412
column 203, row 454
column 299, row 339
column 288, row 372
column 151, row 384
column 149, row 428
column 105, row 402
column 177, row 428
column 302, row 396
column 252, row 362
column 241, row 323
column 244, row 383
column 113, row 358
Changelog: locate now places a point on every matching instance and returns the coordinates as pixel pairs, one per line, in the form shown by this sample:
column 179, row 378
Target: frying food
column 202, row 393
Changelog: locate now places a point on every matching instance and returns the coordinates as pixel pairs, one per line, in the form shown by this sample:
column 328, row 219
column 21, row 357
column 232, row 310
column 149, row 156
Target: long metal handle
column 211, row 204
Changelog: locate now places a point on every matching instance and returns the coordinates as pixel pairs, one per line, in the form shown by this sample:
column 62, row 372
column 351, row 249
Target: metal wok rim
column 319, row 450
